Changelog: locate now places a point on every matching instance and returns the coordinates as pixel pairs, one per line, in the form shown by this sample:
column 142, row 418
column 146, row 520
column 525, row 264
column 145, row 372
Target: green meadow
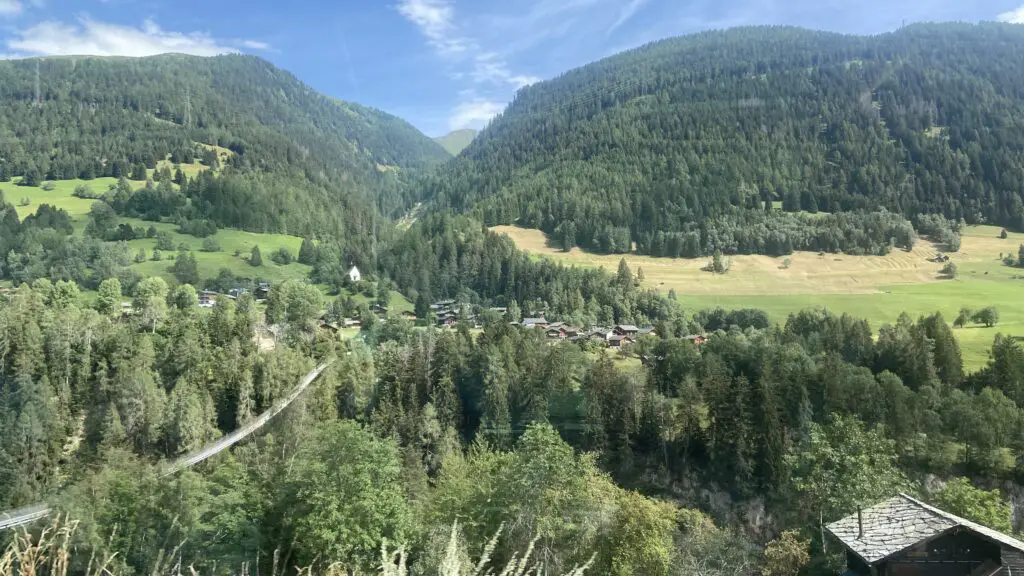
column 210, row 263
column 878, row 288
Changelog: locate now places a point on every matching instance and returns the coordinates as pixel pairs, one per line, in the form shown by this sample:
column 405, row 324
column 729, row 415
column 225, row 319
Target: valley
column 878, row 288
column 526, row 349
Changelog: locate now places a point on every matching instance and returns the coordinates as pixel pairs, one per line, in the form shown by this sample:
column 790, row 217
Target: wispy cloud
column 9, row 8
column 474, row 114
column 90, row 37
column 487, row 71
column 1015, row 16
column 628, row 11
column 435, row 19
column 256, row 45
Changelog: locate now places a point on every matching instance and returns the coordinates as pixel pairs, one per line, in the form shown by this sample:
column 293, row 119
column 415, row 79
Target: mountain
column 300, row 162
column 680, row 146
column 457, row 141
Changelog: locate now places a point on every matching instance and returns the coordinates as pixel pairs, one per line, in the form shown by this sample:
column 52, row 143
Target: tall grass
column 51, row 553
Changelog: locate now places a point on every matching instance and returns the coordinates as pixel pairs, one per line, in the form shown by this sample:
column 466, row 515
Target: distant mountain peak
column 457, row 141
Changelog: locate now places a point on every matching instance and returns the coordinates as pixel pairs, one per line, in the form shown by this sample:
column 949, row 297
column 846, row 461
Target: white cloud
column 627, row 12
column 467, row 61
column 256, row 45
column 489, row 67
column 474, row 114
column 435, row 19
column 92, row 38
column 10, row 8
column 1015, row 16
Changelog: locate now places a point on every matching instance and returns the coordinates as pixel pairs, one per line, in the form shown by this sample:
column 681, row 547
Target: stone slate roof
column 902, row 522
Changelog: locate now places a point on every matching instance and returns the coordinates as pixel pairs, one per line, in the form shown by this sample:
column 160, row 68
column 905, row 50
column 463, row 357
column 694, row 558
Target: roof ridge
column 985, row 530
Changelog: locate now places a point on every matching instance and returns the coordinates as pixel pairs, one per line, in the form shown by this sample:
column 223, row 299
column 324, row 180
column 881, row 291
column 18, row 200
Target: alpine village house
column 905, row 537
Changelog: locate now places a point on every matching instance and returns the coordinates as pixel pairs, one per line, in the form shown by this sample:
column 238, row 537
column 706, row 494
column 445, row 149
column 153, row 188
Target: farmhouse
column 534, row 323
column 903, row 537
column 697, row 339
column 207, row 299
column 619, row 340
column 627, row 330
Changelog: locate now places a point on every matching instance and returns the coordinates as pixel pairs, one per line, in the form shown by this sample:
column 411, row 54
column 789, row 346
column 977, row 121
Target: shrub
column 210, row 244
column 950, row 270
column 1003, row 234
column 282, row 256
column 164, row 241
column 49, row 186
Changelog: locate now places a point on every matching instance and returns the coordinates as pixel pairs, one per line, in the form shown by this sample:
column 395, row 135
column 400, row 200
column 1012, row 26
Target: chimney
column 860, row 524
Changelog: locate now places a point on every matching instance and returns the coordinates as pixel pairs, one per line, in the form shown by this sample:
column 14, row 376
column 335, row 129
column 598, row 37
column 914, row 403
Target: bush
column 157, row 256
column 83, row 191
column 198, row 228
column 1003, row 234
column 49, row 186
column 950, row 270
column 210, row 244
column 164, row 241
column 282, row 256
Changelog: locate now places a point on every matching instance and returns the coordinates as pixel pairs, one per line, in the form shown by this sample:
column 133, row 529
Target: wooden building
column 905, row 537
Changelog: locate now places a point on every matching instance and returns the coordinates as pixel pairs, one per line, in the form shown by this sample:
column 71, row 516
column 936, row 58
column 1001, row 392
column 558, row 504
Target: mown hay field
column 878, row 288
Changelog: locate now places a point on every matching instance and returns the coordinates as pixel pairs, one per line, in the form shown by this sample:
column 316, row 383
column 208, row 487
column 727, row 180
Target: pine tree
column 307, row 252
column 255, row 259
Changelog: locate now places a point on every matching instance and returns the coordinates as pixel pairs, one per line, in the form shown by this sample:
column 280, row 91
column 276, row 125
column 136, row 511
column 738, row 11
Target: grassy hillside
column 685, row 141
column 878, row 288
column 340, row 161
column 210, row 263
column 457, row 141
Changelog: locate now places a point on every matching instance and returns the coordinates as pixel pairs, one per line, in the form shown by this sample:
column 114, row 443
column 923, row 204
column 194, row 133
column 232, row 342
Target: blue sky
column 441, row 64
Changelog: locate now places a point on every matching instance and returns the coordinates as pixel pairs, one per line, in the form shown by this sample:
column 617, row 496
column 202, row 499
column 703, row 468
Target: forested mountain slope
column 305, row 162
column 680, row 144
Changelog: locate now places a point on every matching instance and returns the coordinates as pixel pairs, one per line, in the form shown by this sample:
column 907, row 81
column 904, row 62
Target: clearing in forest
column 878, row 288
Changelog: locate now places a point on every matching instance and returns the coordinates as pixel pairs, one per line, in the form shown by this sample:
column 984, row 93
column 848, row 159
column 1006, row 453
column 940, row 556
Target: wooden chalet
column 905, row 537
column 534, row 323
column 626, row 330
column 619, row 340
column 207, row 299
column 556, row 333
column 697, row 340
column 236, row 293
column 408, row 315
column 262, row 290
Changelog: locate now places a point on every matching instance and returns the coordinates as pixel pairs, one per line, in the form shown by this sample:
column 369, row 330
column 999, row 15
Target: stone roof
column 902, row 522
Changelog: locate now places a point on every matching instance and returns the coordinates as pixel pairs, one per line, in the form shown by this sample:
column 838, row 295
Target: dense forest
column 687, row 138
column 721, row 456
column 309, row 164
column 411, row 432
